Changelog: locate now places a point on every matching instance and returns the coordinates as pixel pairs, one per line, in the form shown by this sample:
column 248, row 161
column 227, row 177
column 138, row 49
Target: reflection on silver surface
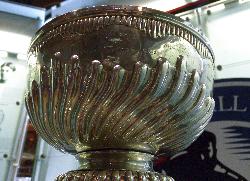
column 119, row 78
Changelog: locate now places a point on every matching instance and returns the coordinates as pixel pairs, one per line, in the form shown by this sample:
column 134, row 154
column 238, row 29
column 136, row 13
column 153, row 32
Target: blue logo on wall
column 232, row 98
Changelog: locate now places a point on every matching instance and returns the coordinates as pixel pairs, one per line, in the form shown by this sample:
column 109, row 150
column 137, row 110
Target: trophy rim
column 121, row 9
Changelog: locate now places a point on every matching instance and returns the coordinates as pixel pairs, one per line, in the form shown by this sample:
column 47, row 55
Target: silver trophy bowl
column 118, row 85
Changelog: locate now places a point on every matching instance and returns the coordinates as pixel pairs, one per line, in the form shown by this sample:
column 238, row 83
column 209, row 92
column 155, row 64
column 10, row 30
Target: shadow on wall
column 198, row 163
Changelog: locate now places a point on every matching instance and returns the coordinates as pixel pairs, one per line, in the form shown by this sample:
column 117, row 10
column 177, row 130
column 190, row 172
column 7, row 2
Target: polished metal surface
column 115, row 78
column 113, row 175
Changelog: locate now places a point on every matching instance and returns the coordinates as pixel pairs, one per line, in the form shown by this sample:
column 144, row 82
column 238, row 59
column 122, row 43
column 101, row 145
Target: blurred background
column 23, row 155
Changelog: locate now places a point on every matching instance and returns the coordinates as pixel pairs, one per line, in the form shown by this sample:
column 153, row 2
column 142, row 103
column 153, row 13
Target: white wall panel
column 11, row 108
column 15, row 35
column 228, row 32
column 50, row 163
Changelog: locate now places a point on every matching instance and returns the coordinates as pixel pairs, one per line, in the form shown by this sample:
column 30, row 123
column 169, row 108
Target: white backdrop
column 15, row 35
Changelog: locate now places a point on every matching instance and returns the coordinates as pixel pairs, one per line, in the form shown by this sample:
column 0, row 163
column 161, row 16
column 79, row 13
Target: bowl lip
column 122, row 9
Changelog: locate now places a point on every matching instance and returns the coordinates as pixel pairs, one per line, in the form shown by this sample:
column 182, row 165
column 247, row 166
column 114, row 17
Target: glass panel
column 49, row 162
column 28, row 153
column 228, row 32
column 13, row 77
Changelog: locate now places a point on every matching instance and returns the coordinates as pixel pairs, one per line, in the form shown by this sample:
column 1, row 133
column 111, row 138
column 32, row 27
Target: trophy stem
column 116, row 160
column 114, row 165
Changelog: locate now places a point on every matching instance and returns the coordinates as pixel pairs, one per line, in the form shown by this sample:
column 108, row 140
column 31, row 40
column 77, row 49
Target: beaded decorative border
column 159, row 25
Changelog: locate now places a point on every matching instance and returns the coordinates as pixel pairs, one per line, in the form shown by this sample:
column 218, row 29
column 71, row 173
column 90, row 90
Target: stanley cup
column 115, row 86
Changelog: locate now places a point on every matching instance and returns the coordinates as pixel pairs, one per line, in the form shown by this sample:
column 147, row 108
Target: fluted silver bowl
column 120, row 78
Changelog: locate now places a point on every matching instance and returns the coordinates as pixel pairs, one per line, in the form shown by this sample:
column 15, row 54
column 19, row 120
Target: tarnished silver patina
column 118, row 85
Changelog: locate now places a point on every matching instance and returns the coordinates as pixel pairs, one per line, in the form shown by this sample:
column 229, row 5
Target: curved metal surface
column 146, row 109
column 112, row 175
column 120, row 78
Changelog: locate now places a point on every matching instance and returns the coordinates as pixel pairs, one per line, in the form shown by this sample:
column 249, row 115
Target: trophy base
column 114, row 165
column 112, row 175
